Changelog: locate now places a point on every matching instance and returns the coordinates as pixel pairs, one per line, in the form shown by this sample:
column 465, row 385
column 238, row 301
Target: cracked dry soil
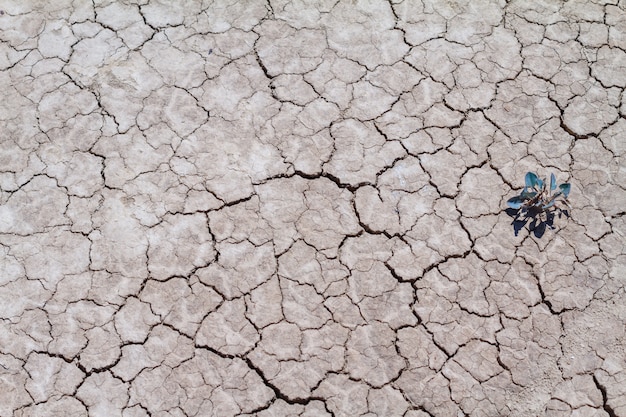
column 296, row 208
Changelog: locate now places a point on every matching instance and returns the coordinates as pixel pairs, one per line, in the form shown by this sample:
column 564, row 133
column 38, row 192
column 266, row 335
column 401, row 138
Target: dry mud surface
column 296, row 208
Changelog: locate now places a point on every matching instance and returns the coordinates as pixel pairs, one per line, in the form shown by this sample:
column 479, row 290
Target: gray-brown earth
column 296, row 208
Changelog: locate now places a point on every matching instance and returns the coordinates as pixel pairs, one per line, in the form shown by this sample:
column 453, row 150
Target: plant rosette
column 538, row 197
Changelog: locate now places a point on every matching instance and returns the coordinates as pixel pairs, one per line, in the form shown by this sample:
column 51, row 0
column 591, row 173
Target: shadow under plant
column 538, row 204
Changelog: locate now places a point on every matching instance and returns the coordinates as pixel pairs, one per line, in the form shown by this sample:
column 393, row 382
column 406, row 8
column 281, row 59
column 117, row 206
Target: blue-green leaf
column 528, row 194
column 552, row 182
column 565, row 189
column 516, row 202
column 533, row 181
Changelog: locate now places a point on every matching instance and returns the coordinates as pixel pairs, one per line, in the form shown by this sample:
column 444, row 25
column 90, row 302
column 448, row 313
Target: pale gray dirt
column 296, row 208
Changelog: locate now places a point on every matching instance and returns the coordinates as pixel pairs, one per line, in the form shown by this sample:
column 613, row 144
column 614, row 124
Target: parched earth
column 297, row 208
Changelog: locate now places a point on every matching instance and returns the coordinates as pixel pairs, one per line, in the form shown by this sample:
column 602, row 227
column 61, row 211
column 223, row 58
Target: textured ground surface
column 295, row 208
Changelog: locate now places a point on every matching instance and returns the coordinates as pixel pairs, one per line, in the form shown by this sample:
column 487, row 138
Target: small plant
column 537, row 196
column 539, row 199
